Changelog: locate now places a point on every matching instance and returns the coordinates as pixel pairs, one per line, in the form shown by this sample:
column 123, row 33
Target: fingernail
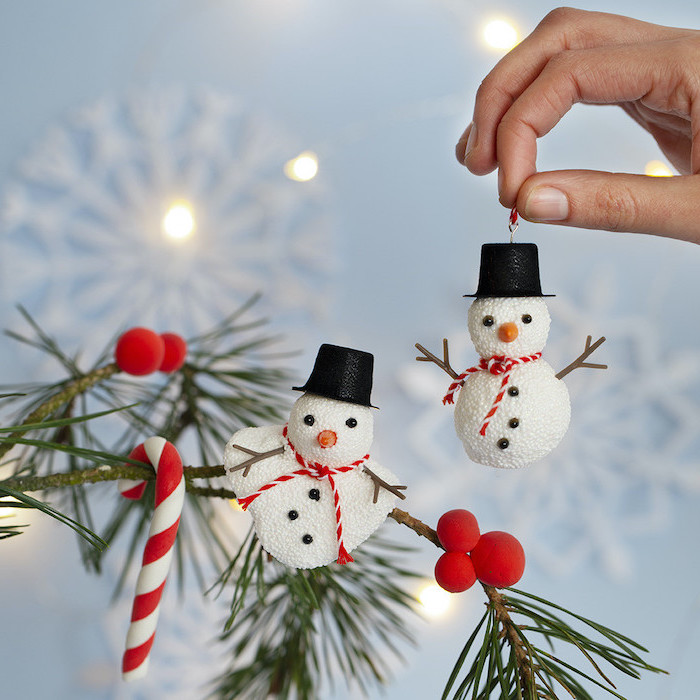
column 471, row 142
column 546, row 204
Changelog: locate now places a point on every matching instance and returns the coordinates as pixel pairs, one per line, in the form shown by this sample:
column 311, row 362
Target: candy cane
column 170, row 495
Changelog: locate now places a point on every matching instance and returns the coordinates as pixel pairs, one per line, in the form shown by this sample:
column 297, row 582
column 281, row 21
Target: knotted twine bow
column 498, row 364
column 316, row 471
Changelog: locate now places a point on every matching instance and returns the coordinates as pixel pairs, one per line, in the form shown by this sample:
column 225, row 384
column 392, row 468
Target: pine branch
column 333, row 621
column 73, row 389
column 295, row 625
column 130, row 470
column 530, row 672
column 21, row 500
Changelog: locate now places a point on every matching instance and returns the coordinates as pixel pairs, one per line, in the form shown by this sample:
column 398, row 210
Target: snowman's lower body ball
column 530, row 421
column 296, row 521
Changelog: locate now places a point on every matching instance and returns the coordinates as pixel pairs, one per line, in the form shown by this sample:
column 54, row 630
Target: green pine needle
column 509, row 665
column 333, row 621
column 24, row 501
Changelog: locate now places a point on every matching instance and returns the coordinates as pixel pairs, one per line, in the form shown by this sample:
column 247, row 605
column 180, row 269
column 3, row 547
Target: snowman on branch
column 311, row 486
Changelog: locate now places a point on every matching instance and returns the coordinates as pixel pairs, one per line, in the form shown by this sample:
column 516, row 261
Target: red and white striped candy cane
column 170, row 495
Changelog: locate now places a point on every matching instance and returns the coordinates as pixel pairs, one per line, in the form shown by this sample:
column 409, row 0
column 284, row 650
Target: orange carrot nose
column 327, row 438
column 507, row 332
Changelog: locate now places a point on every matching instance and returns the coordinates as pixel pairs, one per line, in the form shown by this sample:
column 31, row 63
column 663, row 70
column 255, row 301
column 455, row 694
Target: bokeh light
column 302, row 168
column 179, row 222
column 500, row 34
column 655, row 168
column 435, row 600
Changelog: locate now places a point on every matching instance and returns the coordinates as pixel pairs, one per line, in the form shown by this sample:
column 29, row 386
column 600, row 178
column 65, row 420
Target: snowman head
column 331, row 432
column 510, row 326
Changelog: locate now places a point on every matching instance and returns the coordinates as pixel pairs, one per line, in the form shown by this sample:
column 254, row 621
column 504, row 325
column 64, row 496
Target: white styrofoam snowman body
column 295, row 520
column 534, row 413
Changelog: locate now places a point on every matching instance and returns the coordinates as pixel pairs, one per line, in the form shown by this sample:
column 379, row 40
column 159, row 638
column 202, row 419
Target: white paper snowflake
column 83, row 244
column 632, row 447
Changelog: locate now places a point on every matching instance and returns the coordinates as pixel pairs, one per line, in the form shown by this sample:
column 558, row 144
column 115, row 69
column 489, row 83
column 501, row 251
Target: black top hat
column 509, row 270
column 342, row 374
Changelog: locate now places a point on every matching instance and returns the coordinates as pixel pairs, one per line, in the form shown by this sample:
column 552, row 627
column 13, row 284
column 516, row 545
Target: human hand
column 573, row 56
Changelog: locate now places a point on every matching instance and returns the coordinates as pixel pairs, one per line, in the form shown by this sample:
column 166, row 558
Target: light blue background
column 381, row 91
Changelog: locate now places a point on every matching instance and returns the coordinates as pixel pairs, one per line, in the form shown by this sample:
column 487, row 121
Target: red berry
column 139, row 351
column 454, row 572
column 175, row 352
column 458, row 531
column 499, row 559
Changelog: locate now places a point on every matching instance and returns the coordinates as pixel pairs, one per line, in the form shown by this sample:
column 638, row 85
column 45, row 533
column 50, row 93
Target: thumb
column 664, row 206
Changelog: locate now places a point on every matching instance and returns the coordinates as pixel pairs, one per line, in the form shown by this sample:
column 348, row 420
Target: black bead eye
column 315, row 495
column 488, row 321
column 513, row 422
column 527, row 318
column 351, row 422
column 309, row 419
column 292, row 515
column 513, row 391
column 307, row 539
column 503, row 443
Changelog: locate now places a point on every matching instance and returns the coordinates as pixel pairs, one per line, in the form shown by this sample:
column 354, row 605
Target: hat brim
column 333, row 397
column 506, row 296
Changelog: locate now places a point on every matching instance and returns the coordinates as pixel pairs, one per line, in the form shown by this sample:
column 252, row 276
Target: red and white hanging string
column 513, row 222
column 169, row 498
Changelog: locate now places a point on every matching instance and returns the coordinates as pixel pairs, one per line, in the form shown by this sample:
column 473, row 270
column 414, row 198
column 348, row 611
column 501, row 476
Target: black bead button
column 307, row 539
column 513, row 391
column 315, row 495
column 503, row 443
column 292, row 515
column 513, row 422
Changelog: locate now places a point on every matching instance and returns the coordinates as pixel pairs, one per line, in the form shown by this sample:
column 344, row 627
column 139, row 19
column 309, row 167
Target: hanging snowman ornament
column 511, row 408
column 311, row 486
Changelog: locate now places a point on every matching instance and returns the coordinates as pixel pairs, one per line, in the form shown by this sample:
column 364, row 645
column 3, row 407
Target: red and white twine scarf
column 498, row 364
column 315, row 471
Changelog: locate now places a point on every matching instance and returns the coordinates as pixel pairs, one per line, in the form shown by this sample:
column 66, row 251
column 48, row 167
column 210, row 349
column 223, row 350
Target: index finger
column 561, row 30
column 605, row 75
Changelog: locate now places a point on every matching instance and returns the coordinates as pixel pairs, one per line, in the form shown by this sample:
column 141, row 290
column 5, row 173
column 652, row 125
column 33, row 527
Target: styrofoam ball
column 499, row 559
column 486, row 316
column 139, row 351
column 454, row 572
column 175, row 352
column 530, row 421
column 346, row 429
column 458, row 530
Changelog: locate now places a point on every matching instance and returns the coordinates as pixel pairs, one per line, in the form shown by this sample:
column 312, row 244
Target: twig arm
column 443, row 364
column 257, row 457
column 379, row 483
column 580, row 360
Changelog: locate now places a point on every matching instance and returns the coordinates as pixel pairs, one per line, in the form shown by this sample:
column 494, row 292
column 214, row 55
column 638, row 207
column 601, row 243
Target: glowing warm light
column 178, row 222
column 435, row 600
column 6, row 511
column 302, row 168
column 656, row 168
column 500, row 34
